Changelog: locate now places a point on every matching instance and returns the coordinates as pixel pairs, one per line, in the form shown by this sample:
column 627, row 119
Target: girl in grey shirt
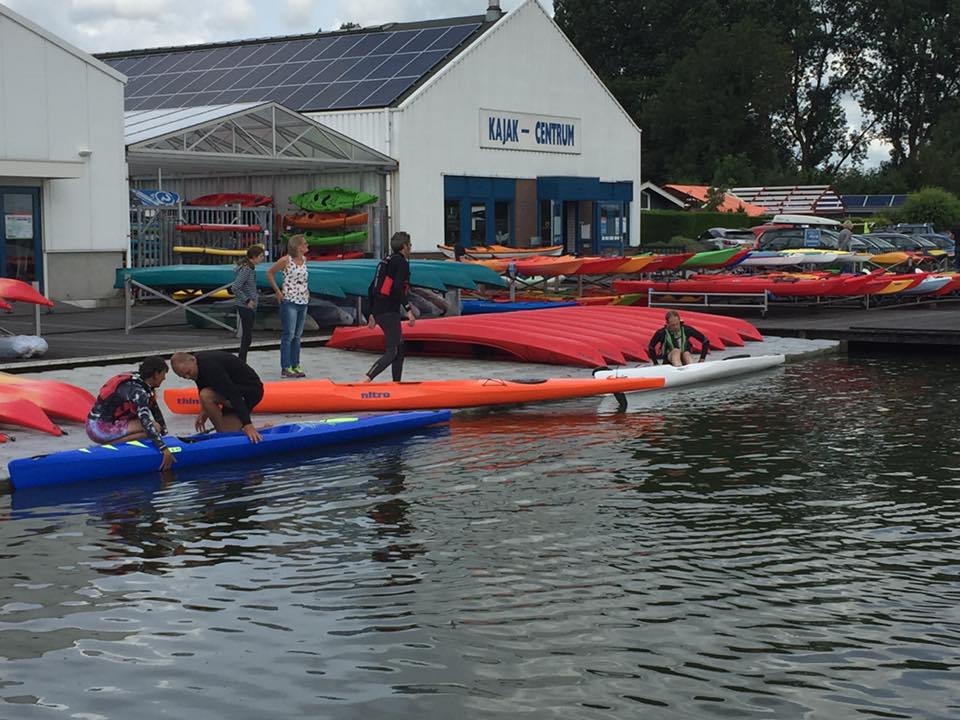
column 244, row 291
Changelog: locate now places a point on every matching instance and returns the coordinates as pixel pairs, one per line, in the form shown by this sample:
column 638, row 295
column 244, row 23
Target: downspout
column 638, row 194
column 387, row 220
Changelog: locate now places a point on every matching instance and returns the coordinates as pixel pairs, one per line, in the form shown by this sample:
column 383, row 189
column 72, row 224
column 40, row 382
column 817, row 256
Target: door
column 20, row 241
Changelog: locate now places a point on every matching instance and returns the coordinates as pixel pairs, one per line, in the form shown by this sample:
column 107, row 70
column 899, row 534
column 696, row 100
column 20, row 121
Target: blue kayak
column 477, row 307
column 100, row 462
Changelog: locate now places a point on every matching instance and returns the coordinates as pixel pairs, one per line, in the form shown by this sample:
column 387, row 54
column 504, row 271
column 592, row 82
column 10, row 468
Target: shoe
column 299, row 371
column 288, row 373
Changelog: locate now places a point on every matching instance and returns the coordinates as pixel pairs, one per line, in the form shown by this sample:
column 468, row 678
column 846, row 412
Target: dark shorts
column 252, row 395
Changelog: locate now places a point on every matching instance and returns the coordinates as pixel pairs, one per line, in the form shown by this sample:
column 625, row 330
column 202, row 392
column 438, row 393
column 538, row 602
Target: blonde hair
column 295, row 241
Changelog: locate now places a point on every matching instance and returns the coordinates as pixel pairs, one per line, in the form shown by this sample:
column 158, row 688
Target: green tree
column 938, row 161
column 734, row 171
column 350, row 26
column 909, row 69
column 932, row 205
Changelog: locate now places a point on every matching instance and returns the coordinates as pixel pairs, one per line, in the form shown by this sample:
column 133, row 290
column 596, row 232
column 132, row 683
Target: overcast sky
column 102, row 25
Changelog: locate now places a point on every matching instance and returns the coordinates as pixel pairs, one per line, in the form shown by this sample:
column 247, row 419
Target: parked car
column 907, row 242
column 873, row 244
column 904, row 228
column 794, row 238
column 941, row 241
column 723, row 238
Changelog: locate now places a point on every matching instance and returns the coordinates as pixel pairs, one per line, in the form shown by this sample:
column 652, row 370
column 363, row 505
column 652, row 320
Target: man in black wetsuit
column 388, row 297
column 674, row 341
column 229, row 389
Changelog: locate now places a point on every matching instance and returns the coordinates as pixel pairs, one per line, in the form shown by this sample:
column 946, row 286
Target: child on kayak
column 126, row 409
column 674, row 341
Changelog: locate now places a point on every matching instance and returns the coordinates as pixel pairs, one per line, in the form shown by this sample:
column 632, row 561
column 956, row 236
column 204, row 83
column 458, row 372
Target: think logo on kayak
column 188, row 401
column 374, row 395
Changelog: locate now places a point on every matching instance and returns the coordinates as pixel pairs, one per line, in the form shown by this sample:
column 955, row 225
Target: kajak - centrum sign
column 506, row 130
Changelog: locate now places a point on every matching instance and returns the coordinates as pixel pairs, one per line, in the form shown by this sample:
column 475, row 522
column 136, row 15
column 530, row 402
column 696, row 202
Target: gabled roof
column 657, row 190
column 239, row 139
column 698, row 196
column 797, row 199
column 367, row 68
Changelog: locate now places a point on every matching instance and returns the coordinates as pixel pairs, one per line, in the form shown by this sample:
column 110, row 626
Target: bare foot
column 366, row 379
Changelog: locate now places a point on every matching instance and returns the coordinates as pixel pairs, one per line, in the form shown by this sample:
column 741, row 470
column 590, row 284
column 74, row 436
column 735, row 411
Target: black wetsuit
column 232, row 379
column 681, row 341
column 388, row 297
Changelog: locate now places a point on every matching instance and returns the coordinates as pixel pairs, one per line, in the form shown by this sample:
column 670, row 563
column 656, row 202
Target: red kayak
column 19, row 291
column 55, row 398
column 349, row 255
column 22, row 412
column 244, row 199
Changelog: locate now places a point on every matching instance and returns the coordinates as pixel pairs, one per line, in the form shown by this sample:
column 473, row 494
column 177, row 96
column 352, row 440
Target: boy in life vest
column 388, row 297
column 126, row 409
column 674, row 341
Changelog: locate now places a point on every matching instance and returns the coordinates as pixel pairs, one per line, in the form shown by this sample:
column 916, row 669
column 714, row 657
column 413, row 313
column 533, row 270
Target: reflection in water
column 783, row 546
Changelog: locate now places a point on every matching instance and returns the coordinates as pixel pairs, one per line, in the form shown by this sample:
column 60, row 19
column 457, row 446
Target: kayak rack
column 752, row 301
column 128, row 286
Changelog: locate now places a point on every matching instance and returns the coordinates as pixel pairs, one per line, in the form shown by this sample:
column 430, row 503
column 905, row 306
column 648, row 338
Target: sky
column 105, row 25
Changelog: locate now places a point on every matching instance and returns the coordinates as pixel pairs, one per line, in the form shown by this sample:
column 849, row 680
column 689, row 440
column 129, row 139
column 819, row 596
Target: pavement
column 339, row 366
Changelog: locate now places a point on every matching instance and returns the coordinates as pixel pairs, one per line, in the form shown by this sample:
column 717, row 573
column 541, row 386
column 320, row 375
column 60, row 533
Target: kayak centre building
column 483, row 129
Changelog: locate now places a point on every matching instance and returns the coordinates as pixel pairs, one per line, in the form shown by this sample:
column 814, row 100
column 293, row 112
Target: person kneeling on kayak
column 674, row 341
column 229, row 389
column 126, row 409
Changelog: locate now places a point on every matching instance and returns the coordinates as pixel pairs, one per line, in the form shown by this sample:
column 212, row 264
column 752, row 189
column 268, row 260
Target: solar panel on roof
column 855, row 200
column 329, row 72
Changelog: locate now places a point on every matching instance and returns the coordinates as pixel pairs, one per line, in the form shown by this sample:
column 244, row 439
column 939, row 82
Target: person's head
column 400, row 242
column 185, row 365
column 297, row 246
column 673, row 320
column 848, row 224
column 153, row 371
column 255, row 253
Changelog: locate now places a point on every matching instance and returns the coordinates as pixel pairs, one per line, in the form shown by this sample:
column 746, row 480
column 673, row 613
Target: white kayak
column 697, row 372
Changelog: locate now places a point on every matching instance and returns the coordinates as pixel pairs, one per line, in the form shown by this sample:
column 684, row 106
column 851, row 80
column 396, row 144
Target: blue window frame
column 479, row 210
column 21, row 242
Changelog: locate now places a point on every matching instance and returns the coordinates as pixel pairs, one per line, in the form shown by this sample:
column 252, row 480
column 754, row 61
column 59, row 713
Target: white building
column 63, row 193
column 501, row 130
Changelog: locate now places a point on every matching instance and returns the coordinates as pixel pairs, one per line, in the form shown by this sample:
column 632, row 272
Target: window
column 501, row 223
column 451, row 222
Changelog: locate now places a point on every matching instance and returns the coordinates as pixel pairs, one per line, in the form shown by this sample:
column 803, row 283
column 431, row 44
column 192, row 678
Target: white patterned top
column 295, row 287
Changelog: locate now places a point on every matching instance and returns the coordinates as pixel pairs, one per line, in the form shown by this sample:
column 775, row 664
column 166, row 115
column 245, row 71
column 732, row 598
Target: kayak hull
column 101, row 462
column 322, row 396
column 698, row 372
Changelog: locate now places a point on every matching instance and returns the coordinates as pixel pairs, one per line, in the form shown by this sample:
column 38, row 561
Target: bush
column 930, row 205
column 658, row 226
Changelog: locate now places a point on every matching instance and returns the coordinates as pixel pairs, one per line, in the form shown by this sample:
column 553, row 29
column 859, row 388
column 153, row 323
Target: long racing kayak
column 698, row 372
column 100, row 462
column 324, row 396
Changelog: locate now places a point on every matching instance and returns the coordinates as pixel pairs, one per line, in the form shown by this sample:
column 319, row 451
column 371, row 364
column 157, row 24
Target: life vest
column 668, row 344
column 115, row 406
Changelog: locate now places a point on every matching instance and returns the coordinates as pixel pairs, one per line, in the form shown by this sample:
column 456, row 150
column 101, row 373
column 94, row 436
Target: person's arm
column 401, row 288
column 704, row 343
column 158, row 415
column 224, row 386
column 652, row 347
column 146, row 417
column 279, row 266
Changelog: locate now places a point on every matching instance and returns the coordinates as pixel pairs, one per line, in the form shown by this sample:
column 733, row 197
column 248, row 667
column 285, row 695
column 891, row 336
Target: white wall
column 523, row 64
column 54, row 102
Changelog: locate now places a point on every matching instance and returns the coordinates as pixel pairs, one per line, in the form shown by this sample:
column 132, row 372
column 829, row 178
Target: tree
column 938, row 161
column 350, row 26
column 909, row 68
column 734, row 171
column 715, row 198
column 932, row 205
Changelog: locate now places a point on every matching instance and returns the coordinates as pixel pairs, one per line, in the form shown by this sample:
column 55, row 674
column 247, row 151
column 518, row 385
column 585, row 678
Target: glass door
column 613, row 227
column 20, row 244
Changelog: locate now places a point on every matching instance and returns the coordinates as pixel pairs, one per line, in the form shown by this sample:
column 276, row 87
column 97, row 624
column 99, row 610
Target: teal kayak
column 322, row 281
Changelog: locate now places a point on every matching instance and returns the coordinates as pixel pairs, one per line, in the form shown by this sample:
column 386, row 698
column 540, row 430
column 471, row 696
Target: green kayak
column 315, row 238
column 711, row 257
column 332, row 199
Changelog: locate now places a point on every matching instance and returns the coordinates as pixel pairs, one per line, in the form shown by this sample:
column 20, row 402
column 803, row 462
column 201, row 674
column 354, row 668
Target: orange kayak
column 55, row 398
column 324, row 396
column 324, row 220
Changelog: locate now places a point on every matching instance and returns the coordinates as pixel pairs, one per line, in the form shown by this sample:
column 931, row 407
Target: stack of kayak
column 101, row 462
column 330, row 216
column 231, row 199
column 788, row 285
column 30, row 404
column 583, row 335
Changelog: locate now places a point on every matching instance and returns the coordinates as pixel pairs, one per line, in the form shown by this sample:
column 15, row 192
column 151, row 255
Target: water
column 782, row 547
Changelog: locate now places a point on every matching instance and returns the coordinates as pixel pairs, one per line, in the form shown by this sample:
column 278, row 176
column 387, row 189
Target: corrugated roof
column 797, row 199
column 141, row 125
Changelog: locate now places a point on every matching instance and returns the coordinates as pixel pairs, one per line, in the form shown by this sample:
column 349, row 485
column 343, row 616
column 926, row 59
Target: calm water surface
column 781, row 547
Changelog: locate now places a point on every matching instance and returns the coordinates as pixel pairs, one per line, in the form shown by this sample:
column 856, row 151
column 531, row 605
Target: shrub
column 930, row 205
column 658, row 226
